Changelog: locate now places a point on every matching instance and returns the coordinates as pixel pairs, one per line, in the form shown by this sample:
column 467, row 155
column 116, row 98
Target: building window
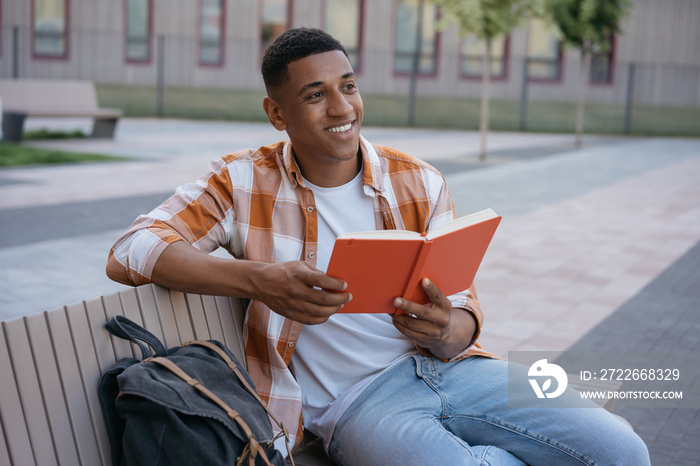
column 275, row 20
column 211, row 32
column 343, row 20
column 50, row 28
column 602, row 64
column 139, row 20
column 544, row 54
column 472, row 52
column 406, row 34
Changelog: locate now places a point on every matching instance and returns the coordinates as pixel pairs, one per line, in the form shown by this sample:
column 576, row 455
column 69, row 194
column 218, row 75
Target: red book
column 382, row 265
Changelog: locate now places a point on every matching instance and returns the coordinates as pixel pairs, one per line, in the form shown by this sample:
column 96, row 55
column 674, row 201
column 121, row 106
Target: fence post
column 160, row 75
column 522, row 124
column 15, row 52
column 630, row 93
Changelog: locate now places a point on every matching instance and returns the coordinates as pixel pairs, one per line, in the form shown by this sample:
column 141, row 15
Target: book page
column 462, row 222
column 381, row 234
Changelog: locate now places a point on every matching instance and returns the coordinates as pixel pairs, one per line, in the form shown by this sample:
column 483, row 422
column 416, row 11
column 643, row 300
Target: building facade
column 219, row 43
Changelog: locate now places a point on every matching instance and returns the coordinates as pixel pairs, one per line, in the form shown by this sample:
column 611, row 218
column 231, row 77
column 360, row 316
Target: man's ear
column 274, row 113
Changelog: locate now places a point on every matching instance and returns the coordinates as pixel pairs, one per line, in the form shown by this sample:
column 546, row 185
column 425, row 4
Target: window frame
column 559, row 62
column 612, row 55
column 222, row 37
column 436, row 49
column 261, row 12
column 149, row 46
column 477, row 77
column 357, row 67
column 66, row 34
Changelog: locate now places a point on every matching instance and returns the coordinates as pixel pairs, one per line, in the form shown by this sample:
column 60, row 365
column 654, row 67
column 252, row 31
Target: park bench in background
column 51, row 364
column 22, row 98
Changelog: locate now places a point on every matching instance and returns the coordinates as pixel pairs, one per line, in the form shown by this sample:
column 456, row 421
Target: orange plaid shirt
column 254, row 203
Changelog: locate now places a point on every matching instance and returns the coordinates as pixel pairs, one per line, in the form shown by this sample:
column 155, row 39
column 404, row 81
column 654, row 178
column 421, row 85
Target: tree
column 487, row 20
column 589, row 26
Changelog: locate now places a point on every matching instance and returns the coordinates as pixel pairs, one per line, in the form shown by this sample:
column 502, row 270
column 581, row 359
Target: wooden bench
column 51, row 363
column 22, row 98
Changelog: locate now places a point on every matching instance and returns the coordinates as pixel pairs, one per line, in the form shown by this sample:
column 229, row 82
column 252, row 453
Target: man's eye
column 316, row 95
column 351, row 86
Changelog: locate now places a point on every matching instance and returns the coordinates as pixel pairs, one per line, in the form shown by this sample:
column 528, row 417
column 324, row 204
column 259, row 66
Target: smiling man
column 414, row 389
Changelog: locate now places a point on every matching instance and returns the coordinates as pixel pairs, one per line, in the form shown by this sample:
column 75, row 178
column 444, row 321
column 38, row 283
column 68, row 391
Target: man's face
column 320, row 108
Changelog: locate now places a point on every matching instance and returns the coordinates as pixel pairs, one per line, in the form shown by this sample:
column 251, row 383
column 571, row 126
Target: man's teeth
column 340, row 129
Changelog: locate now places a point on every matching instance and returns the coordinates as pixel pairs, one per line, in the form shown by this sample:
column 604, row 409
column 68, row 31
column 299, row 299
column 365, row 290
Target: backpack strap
column 253, row 448
column 122, row 327
column 234, row 368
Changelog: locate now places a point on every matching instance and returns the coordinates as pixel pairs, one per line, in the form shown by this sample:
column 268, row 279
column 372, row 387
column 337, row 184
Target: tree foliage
column 487, row 19
column 588, row 24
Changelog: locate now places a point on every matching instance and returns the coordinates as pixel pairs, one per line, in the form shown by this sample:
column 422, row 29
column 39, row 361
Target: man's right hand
column 295, row 289
column 299, row 291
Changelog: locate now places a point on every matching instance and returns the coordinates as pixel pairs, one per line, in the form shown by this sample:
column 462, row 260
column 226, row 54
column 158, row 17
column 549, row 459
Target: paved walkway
column 585, row 232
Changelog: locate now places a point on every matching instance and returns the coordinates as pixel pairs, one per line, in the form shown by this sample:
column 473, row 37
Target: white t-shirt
column 334, row 361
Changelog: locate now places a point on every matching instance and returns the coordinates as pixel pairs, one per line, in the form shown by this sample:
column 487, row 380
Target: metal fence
column 174, row 81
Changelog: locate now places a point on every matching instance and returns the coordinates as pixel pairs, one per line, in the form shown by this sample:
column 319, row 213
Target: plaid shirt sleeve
column 199, row 213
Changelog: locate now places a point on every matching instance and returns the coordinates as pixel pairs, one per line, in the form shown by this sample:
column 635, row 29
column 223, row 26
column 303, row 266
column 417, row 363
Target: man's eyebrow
column 310, row 86
column 314, row 84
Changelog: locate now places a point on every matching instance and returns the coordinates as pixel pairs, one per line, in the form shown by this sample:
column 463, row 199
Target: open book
column 379, row 266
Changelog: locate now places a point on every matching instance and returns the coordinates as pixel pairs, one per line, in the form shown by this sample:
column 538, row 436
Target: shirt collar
column 371, row 177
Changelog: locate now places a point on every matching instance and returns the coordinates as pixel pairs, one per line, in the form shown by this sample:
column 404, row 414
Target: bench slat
column 166, row 315
column 29, row 392
column 104, row 351
column 182, row 318
column 4, row 452
column 52, row 391
column 211, row 313
column 149, row 311
column 90, row 374
column 76, row 398
column 113, row 307
column 15, row 430
column 130, row 308
column 231, row 316
column 197, row 316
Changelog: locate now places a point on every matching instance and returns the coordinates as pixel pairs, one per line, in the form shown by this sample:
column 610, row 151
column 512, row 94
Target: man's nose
column 339, row 104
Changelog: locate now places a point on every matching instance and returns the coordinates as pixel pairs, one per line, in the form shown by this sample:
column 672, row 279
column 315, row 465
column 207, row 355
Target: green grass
column 13, row 155
column 431, row 112
column 44, row 133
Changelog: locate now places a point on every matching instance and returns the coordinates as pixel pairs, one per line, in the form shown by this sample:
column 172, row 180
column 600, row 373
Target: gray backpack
column 193, row 404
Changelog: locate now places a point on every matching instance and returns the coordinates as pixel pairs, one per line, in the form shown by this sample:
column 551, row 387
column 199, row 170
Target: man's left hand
column 435, row 326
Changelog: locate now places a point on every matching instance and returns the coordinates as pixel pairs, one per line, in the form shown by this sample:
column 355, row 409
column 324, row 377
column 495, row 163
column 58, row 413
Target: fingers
column 438, row 305
column 301, row 292
column 424, row 322
column 316, row 278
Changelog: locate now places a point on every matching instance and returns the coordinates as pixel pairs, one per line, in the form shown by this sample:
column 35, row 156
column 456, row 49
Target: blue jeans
column 424, row 411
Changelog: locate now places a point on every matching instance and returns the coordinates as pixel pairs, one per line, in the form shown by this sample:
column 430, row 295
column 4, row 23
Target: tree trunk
column 485, row 80
column 581, row 103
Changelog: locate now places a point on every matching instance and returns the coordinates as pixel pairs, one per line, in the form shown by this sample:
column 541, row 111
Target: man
column 408, row 389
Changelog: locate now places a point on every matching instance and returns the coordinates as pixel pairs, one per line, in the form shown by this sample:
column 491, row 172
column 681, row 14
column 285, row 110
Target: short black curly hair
column 292, row 45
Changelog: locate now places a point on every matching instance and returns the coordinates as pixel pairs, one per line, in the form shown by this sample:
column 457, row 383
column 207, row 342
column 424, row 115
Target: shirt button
column 312, row 255
column 291, row 344
column 310, row 209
